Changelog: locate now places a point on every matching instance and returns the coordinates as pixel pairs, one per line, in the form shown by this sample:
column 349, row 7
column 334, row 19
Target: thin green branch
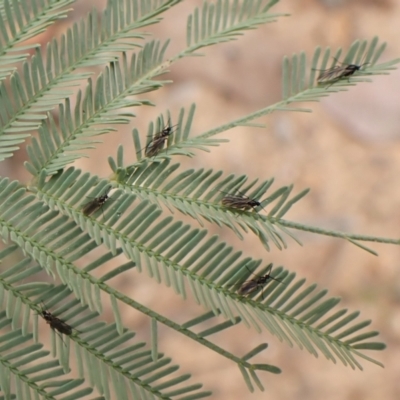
column 187, row 332
column 200, row 206
column 338, row 234
column 299, row 94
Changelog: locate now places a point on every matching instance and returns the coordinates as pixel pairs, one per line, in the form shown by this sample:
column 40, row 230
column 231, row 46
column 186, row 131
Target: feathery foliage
column 64, row 216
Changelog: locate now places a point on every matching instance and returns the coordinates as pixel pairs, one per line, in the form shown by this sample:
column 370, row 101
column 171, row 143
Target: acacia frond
column 49, row 82
column 43, row 84
column 295, row 89
column 21, row 21
column 55, row 223
column 104, row 353
column 295, row 71
column 223, row 21
column 179, row 142
column 198, row 193
column 86, row 289
column 104, row 103
column 27, row 368
column 174, row 253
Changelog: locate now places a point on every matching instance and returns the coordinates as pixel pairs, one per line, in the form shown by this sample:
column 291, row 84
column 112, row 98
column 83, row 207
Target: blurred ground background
column 347, row 151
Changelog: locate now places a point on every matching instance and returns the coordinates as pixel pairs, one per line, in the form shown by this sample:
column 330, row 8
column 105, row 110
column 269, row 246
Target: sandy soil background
column 347, row 151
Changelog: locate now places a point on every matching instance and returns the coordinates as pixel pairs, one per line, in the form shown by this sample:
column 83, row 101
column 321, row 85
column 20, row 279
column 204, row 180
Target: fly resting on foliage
column 256, row 283
column 157, row 142
column 336, row 73
column 56, row 323
column 240, row 202
column 96, row 203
